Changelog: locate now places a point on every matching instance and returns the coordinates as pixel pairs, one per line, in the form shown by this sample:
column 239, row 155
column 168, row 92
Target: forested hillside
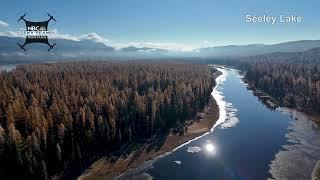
column 56, row 116
column 292, row 78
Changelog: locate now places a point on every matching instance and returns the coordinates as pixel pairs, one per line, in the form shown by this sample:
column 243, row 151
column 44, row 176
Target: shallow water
column 249, row 141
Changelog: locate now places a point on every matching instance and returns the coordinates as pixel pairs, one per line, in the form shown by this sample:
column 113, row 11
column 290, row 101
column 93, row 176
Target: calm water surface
column 249, row 141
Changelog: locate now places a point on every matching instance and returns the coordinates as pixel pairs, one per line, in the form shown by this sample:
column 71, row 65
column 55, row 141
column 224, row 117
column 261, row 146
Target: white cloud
column 11, row 34
column 3, row 24
column 89, row 37
column 57, row 35
column 168, row 46
column 13, row 54
column 93, row 37
column 157, row 45
column 205, row 42
column 171, row 46
column 194, row 149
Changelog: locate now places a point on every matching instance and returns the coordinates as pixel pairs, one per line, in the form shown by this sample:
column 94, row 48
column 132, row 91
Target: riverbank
column 108, row 168
column 316, row 172
column 272, row 103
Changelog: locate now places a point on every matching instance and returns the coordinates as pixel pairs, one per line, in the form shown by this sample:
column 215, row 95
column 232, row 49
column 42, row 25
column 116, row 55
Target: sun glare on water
column 210, row 147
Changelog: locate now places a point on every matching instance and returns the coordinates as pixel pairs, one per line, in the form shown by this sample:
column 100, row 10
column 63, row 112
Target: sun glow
column 210, row 147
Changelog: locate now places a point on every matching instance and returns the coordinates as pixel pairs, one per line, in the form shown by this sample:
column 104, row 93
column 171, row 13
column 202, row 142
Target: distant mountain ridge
column 67, row 49
column 89, row 50
column 308, row 56
column 258, row 49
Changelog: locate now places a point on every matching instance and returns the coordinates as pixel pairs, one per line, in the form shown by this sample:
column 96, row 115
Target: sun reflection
column 210, row 148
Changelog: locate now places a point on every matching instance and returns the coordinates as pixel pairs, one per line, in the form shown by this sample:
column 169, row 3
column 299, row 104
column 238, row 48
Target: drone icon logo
column 36, row 32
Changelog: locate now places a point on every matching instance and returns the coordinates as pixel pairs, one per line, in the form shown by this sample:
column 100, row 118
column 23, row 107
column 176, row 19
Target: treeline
column 57, row 116
column 292, row 78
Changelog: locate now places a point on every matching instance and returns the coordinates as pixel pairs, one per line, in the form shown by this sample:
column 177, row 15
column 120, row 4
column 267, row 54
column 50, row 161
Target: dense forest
column 54, row 117
column 292, row 78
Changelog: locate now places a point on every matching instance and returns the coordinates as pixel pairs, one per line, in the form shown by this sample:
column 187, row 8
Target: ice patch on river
column 177, row 162
column 218, row 96
column 194, row 149
column 227, row 112
column 231, row 119
column 299, row 156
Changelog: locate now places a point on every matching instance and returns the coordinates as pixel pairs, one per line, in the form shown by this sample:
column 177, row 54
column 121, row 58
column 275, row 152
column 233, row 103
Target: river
column 249, row 141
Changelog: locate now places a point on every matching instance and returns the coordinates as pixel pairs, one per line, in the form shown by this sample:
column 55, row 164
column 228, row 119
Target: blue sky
column 176, row 23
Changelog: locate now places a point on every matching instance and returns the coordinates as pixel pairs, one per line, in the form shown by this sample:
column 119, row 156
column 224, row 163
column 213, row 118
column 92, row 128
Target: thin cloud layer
column 3, row 24
column 95, row 37
column 89, row 37
column 171, row 46
column 57, row 35
column 11, row 34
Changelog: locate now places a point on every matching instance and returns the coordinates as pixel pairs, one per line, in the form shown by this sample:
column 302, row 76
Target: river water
column 249, row 141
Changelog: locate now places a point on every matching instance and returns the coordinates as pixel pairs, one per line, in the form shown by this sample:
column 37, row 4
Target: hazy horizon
column 171, row 25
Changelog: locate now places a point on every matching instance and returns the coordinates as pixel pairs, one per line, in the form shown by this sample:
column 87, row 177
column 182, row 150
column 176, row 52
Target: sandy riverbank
column 108, row 168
